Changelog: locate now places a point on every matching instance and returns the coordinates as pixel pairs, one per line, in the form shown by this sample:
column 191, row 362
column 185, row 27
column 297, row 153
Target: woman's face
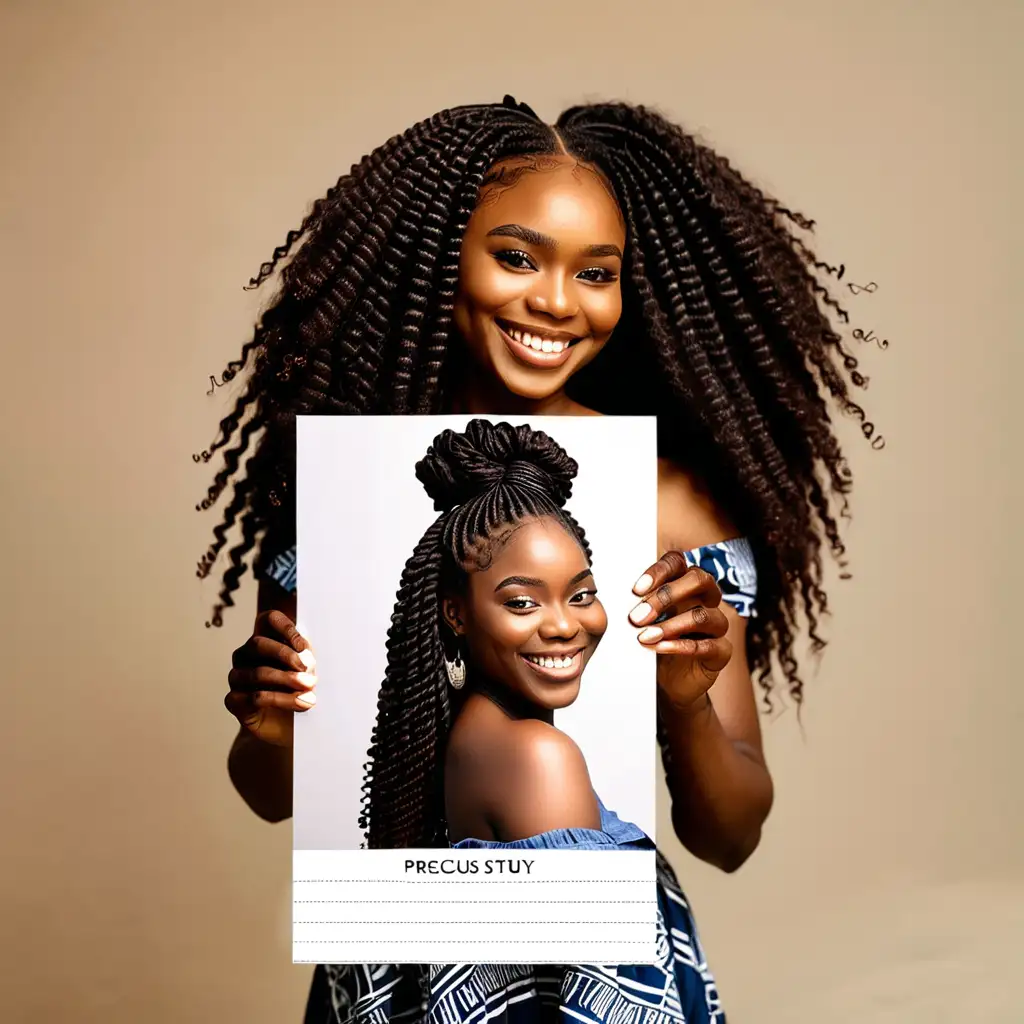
column 532, row 620
column 539, row 274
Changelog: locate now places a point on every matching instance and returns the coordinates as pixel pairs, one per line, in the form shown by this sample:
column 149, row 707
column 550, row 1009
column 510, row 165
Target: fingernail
column 307, row 659
column 640, row 612
column 306, row 678
column 650, row 634
column 309, row 699
column 643, row 584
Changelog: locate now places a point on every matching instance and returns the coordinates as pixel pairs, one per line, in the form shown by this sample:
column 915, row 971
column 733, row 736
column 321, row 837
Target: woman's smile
column 558, row 668
column 536, row 346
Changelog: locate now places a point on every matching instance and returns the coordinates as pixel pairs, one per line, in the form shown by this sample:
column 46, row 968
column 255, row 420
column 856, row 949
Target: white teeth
column 549, row 662
column 538, row 344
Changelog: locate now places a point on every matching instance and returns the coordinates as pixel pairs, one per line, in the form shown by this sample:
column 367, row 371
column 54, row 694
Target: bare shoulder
column 487, row 746
column 688, row 516
column 537, row 750
column 547, row 785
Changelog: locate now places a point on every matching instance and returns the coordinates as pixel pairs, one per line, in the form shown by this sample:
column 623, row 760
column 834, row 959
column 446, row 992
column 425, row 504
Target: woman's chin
column 529, row 383
column 555, row 697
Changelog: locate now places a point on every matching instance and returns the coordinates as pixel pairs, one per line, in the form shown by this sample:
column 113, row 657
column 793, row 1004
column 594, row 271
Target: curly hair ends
column 483, row 480
column 725, row 336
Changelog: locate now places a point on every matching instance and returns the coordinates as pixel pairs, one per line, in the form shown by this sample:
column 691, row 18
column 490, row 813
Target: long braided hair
column 725, row 335
column 483, row 481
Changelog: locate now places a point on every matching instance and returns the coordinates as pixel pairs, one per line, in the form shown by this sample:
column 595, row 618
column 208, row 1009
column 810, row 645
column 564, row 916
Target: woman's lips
column 557, row 675
column 533, row 357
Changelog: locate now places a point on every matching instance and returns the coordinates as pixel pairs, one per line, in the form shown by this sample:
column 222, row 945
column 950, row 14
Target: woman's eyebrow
column 596, row 251
column 580, row 577
column 519, row 581
column 524, row 234
column 542, row 241
column 532, row 581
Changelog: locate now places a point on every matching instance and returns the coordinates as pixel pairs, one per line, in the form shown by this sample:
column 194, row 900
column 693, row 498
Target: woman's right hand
column 273, row 675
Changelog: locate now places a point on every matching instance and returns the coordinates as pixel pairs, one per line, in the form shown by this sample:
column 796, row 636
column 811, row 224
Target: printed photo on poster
column 484, row 711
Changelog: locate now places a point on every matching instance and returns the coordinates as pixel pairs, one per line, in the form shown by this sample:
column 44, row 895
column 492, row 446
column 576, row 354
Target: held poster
column 476, row 782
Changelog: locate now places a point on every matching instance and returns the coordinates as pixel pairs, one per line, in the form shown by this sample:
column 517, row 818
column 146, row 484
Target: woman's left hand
column 691, row 638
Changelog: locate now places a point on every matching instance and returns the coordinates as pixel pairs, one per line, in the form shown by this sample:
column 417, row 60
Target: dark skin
column 509, row 773
column 545, row 281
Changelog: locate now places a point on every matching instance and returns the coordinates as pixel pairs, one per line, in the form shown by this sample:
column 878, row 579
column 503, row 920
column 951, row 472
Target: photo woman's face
column 531, row 621
column 539, row 274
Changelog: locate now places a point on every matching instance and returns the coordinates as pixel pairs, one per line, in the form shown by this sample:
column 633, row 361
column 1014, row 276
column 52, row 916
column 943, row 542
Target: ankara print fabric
column 677, row 989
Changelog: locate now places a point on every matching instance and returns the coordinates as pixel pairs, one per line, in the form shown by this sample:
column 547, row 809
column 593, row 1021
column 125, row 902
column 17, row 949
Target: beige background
column 153, row 156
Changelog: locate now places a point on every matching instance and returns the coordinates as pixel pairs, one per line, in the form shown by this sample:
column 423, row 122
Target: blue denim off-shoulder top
column 614, row 834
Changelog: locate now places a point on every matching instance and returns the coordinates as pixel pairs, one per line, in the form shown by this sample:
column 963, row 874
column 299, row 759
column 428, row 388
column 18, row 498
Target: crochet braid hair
column 483, row 482
column 725, row 335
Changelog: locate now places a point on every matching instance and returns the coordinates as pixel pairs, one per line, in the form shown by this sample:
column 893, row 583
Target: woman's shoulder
column 544, row 783
column 279, row 564
column 515, row 748
column 688, row 515
column 690, row 521
column 537, row 747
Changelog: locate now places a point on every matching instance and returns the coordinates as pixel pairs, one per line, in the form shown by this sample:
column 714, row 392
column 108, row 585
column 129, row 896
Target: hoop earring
column 456, row 669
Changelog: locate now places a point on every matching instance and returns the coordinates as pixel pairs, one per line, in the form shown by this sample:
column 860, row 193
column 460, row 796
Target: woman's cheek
column 520, row 634
column 607, row 315
column 597, row 621
column 506, row 631
column 488, row 288
column 504, row 289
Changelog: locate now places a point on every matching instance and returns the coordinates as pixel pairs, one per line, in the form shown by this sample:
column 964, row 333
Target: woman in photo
column 485, row 262
column 496, row 620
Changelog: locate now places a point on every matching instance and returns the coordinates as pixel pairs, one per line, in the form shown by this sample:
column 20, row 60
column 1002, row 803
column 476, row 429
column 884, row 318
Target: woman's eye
column 584, row 597
column 515, row 258
column 520, row 604
column 599, row 275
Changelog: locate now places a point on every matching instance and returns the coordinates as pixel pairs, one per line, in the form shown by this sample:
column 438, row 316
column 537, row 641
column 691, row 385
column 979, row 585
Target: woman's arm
column 715, row 768
column 260, row 771
column 542, row 784
column 262, row 775
column 719, row 783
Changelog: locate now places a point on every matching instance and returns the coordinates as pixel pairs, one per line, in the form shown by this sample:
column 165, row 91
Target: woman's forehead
column 557, row 192
column 540, row 548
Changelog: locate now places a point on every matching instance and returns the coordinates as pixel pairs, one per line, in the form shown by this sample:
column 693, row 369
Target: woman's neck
column 478, row 394
column 513, row 704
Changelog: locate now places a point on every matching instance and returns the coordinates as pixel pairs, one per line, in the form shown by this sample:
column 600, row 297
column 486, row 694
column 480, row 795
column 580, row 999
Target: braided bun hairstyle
column 483, row 480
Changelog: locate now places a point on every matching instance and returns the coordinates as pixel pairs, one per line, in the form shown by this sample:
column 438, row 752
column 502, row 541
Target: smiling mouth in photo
column 541, row 347
column 559, row 667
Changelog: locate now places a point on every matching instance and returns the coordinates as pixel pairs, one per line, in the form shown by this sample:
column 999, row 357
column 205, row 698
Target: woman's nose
column 555, row 296
column 559, row 624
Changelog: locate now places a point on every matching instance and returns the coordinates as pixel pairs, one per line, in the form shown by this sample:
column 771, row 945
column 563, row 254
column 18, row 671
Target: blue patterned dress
column 677, row 988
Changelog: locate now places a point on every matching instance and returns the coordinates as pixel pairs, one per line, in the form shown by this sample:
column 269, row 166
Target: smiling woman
column 528, row 638
column 496, row 620
column 542, row 291
column 484, row 262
